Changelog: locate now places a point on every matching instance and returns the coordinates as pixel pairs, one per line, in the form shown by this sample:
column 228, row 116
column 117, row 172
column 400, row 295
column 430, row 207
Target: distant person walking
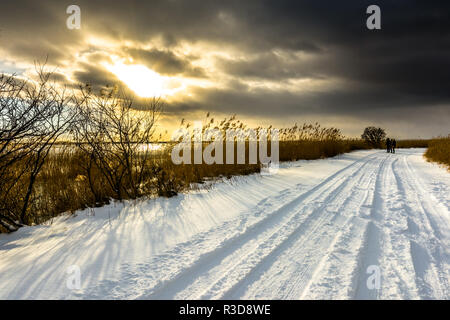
column 388, row 145
column 393, row 145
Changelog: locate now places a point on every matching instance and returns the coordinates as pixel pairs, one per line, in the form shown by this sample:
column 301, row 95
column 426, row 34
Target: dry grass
column 439, row 151
column 411, row 143
column 69, row 181
column 64, row 186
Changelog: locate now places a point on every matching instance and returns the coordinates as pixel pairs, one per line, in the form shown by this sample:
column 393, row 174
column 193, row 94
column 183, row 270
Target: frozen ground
column 309, row 232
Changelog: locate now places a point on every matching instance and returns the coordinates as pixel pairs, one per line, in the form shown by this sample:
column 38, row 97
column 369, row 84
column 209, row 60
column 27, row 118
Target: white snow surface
column 311, row 231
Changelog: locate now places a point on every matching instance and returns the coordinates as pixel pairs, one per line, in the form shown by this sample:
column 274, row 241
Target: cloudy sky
column 270, row 62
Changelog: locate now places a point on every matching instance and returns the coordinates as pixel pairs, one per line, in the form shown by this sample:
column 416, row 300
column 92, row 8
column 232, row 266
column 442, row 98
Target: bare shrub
column 116, row 138
column 33, row 115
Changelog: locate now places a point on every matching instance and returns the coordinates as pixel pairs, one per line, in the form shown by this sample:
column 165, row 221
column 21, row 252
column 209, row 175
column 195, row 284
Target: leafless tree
column 374, row 136
column 116, row 138
column 33, row 115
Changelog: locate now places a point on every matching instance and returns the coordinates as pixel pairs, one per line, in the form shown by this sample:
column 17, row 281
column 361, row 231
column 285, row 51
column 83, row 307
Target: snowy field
column 309, row 232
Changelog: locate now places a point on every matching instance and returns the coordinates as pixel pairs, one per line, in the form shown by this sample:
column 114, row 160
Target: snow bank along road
column 309, row 232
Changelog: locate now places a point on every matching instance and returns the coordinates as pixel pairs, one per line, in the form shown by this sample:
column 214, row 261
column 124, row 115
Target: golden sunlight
column 142, row 80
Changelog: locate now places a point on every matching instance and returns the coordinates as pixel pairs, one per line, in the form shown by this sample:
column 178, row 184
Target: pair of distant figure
column 390, row 145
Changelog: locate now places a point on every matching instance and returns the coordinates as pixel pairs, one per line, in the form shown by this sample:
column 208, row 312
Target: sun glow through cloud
column 143, row 81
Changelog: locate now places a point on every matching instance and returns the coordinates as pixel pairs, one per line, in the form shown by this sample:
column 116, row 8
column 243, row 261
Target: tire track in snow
column 330, row 236
column 170, row 288
column 314, row 245
column 318, row 234
column 339, row 266
column 395, row 263
column 384, row 246
column 399, row 216
column 370, row 252
column 427, row 252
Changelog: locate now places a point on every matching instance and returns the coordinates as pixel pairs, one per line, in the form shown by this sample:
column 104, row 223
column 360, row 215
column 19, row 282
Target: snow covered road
column 312, row 231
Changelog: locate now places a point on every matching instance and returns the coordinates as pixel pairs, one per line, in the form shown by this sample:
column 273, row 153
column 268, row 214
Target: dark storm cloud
column 271, row 66
column 368, row 101
column 402, row 69
column 35, row 30
column 59, row 78
column 164, row 61
column 404, row 115
column 94, row 76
